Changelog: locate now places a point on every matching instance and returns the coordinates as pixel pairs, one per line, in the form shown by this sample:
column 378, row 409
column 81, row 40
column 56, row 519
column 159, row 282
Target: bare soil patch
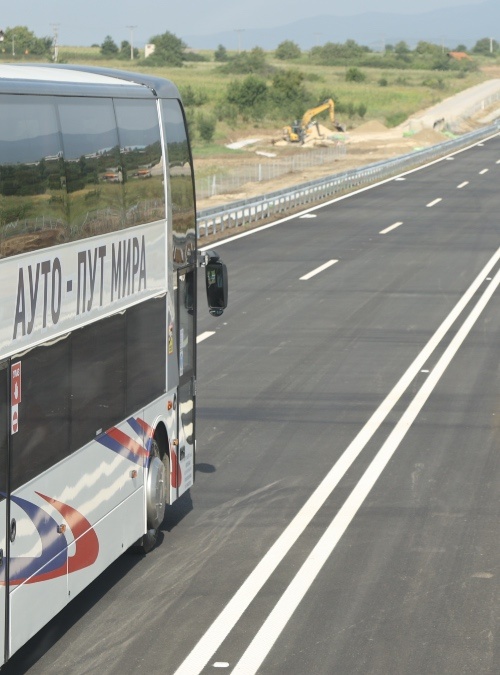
column 369, row 142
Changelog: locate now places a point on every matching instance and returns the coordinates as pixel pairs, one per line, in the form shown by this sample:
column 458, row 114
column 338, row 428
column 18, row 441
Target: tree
column 169, row 50
column 485, row 46
column 125, row 50
column 248, row 62
column 287, row 50
column 288, row 93
column 249, row 96
column 402, row 50
column 333, row 52
column 109, row 47
column 220, row 54
column 24, row 41
column 428, row 49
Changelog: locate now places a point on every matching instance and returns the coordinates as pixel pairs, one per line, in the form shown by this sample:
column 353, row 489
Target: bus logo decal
column 141, row 427
column 124, row 445
column 54, row 560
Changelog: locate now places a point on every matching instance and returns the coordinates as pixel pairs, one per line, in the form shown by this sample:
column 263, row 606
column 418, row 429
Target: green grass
column 407, row 90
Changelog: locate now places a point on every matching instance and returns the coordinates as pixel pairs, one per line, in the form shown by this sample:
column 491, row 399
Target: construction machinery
column 298, row 131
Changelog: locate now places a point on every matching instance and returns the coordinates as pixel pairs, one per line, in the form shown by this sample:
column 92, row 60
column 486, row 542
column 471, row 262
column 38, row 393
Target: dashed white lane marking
column 483, row 172
column 309, row 215
column 436, row 201
column 391, row 227
column 498, row 161
column 462, row 185
column 204, row 336
column 221, row 664
column 318, row 270
column 450, row 159
column 400, row 178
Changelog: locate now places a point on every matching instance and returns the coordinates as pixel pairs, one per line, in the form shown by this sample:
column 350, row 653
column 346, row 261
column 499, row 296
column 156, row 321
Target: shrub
column 395, row 118
column 253, row 62
column 287, row 95
column 354, row 75
column 227, row 112
column 109, row 47
column 362, row 109
column 249, row 96
column 205, row 125
column 221, row 54
column 287, row 50
column 193, row 97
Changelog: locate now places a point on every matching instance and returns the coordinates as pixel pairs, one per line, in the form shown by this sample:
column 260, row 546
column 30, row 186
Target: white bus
column 98, row 264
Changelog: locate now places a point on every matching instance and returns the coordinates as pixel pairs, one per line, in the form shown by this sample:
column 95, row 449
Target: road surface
column 345, row 514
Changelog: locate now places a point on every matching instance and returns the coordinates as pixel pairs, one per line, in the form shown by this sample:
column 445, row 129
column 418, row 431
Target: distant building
column 148, row 50
column 459, row 56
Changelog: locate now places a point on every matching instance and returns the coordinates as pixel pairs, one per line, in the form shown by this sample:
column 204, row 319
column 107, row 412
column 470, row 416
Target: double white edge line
column 283, row 610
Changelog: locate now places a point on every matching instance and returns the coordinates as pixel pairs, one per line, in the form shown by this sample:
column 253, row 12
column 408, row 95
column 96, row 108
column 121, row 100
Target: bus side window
column 92, row 166
column 141, row 161
column 181, row 183
column 33, row 211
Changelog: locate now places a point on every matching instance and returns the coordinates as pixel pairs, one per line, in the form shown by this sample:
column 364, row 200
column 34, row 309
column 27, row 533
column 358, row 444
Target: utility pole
column 55, row 30
column 131, row 28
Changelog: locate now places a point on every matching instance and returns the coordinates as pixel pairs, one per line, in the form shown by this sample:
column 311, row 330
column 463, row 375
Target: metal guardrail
column 243, row 212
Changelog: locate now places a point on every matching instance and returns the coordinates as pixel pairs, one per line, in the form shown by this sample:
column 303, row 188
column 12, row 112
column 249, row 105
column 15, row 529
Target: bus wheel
column 156, row 487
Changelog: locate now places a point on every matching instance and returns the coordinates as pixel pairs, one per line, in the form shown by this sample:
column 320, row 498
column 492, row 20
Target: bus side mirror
column 216, row 280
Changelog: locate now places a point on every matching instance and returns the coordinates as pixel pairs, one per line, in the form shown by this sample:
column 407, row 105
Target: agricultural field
column 387, row 95
column 256, row 100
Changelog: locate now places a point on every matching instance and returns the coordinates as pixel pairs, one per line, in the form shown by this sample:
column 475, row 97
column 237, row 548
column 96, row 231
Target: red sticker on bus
column 15, row 386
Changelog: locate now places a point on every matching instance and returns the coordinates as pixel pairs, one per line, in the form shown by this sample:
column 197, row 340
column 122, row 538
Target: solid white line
column 254, row 230
column 215, row 635
column 436, row 201
column 289, row 601
column 462, row 185
column 204, row 336
column 483, row 172
column 324, row 267
column 391, row 227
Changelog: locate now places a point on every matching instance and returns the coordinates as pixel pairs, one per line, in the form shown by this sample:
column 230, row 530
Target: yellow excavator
column 297, row 132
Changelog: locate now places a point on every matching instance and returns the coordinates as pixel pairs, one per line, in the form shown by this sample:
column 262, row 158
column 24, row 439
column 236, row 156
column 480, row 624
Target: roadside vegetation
column 229, row 94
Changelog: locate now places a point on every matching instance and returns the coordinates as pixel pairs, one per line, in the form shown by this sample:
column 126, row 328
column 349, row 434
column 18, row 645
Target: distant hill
column 450, row 27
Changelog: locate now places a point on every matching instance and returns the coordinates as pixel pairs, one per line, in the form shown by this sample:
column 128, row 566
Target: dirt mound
column 429, row 136
column 374, row 126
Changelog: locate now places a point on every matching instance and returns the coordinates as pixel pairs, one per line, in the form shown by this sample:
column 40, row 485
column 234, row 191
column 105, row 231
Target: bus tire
column 157, row 483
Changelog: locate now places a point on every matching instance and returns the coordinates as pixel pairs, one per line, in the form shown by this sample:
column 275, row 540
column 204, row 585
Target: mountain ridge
column 461, row 25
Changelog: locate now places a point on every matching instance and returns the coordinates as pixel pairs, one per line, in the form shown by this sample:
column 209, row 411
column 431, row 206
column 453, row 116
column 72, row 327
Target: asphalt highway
column 346, row 509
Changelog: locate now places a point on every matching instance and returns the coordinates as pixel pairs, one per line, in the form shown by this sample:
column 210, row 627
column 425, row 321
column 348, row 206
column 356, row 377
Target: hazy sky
column 84, row 22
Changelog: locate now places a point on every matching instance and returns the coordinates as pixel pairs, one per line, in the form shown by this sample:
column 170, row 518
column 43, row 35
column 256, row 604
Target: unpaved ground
column 368, row 143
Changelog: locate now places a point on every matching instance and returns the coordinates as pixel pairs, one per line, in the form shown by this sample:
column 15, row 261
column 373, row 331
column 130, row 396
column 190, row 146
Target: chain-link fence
column 242, row 212
column 267, row 169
